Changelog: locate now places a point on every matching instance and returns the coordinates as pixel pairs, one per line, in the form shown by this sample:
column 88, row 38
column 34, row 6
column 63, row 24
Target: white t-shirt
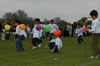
column 95, row 26
column 36, row 33
column 53, row 27
column 58, row 42
column 79, row 32
column 20, row 32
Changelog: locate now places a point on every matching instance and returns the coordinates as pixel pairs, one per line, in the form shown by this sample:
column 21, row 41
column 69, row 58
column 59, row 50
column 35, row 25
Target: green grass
column 71, row 54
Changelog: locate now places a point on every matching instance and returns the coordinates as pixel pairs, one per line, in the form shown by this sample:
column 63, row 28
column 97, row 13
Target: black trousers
column 80, row 38
column 84, row 34
column 35, row 41
column 41, row 40
column 53, row 46
column 51, row 36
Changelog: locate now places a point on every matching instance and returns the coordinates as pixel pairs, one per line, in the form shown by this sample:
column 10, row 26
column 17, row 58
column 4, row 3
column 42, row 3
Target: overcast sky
column 70, row 10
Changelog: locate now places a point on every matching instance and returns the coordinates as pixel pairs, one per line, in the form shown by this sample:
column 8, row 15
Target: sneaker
column 34, row 47
column 92, row 57
column 39, row 45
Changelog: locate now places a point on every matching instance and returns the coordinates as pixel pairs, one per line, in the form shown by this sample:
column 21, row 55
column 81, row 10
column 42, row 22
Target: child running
column 79, row 34
column 37, row 34
column 21, row 35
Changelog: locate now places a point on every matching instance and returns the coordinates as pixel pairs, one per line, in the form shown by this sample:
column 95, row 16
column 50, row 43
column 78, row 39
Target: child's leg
column 50, row 38
column 79, row 39
column 95, row 44
column 21, row 39
column 11, row 36
column 28, row 36
column 7, row 36
column 21, row 46
column 84, row 34
column 53, row 46
column 39, row 41
column 95, row 41
column 18, row 43
column 47, row 34
column 56, row 49
column 34, row 40
column 98, row 51
column 16, row 36
column 2, row 36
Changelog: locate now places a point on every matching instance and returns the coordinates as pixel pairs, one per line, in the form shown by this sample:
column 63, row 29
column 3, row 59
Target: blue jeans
column 19, row 40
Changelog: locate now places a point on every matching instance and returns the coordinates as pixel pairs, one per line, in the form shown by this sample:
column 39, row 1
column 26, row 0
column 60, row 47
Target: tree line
column 23, row 17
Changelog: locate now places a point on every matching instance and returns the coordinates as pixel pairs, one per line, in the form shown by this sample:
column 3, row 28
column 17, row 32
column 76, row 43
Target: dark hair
column 37, row 20
column 52, row 20
column 17, row 21
column 79, row 25
column 93, row 13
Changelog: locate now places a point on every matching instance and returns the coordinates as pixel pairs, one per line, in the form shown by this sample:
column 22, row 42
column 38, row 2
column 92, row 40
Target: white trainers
column 92, row 57
column 34, row 47
column 39, row 45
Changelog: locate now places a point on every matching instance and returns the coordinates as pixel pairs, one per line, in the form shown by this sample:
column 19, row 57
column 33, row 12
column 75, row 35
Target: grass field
column 71, row 54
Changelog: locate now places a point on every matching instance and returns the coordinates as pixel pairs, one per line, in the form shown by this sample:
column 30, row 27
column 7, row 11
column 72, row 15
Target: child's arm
column 32, row 31
column 52, row 50
column 17, row 30
column 93, row 27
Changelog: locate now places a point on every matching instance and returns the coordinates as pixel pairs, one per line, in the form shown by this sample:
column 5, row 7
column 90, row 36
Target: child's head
column 52, row 21
column 94, row 14
column 37, row 21
column 54, row 37
column 27, row 25
column 17, row 22
column 78, row 26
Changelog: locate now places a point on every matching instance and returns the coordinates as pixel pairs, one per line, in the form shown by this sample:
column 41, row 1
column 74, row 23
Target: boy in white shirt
column 37, row 35
column 79, row 34
column 96, row 33
column 21, row 35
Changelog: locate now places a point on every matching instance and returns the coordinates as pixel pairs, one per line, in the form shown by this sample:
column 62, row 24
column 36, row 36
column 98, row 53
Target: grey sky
column 70, row 10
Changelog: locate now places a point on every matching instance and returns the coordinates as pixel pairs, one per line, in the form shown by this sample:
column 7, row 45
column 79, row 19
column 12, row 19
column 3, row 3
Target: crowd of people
column 9, row 34
column 16, row 34
column 68, row 30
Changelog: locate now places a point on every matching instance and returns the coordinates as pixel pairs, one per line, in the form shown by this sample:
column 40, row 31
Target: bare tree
column 22, row 16
column 57, row 19
column 8, row 16
column 18, row 15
